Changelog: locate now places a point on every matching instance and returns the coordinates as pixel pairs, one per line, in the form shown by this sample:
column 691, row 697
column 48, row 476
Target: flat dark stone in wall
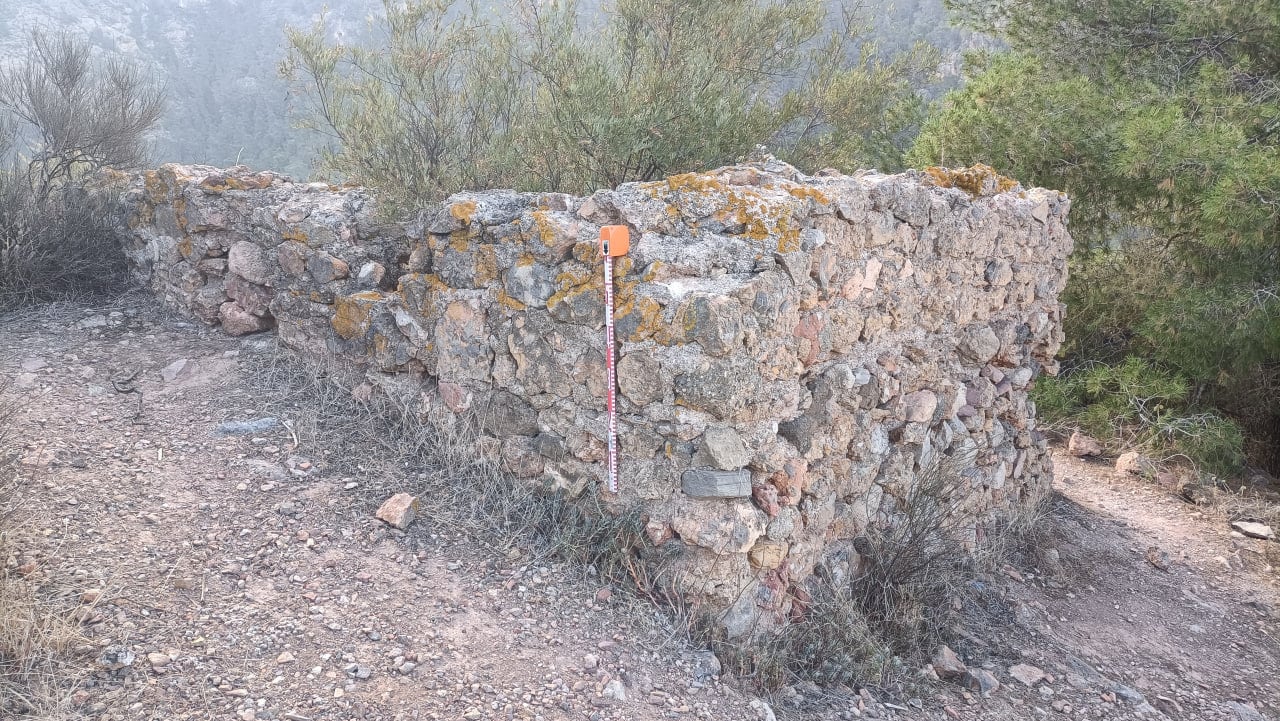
column 716, row 484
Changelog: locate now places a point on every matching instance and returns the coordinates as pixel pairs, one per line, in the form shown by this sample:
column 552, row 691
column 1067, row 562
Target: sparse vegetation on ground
column 917, row 582
column 39, row 633
column 457, row 485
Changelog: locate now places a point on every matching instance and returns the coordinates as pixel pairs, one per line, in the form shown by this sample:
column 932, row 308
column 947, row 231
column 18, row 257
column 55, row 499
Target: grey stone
column 530, row 283
column 509, row 415
column 698, row 483
column 919, row 407
column 717, row 324
column 249, row 261
column 615, row 690
column 1253, row 529
column 705, row 666
column 171, row 372
column 1128, row 695
column 979, row 344
column 639, row 378
column 722, row 388
column 1244, row 712
column 799, row 432
column 244, row 428
column 982, row 681
column 722, row 448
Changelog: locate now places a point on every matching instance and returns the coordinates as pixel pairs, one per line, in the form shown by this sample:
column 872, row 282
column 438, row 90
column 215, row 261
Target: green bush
column 1161, row 119
column 541, row 97
column 1135, row 404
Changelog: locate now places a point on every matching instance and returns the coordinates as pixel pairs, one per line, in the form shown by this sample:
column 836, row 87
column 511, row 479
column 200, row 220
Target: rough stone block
column 399, row 510
column 699, row 483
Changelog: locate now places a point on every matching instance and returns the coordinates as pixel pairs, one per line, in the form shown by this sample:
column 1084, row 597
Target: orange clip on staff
column 615, row 241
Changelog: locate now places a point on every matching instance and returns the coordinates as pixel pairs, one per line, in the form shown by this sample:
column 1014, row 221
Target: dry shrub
column 38, row 632
column 917, row 586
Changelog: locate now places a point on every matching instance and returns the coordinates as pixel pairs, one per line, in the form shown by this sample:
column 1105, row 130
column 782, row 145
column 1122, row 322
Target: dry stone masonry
column 794, row 352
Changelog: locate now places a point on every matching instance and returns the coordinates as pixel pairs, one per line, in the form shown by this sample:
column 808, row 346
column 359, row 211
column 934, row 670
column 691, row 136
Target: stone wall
column 794, row 351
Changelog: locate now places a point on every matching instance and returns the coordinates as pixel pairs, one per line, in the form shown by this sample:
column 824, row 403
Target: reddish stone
column 399, row 510
column 238, row 321
column 791, row 482
column 455, row 397
column 766, row 497
column 809, row 328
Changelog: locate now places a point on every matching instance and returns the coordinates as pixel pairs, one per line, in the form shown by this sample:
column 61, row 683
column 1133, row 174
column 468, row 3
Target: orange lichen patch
column 419, row 291
column 180, row 213
column 651, row 272
column 460, row 240
column 978, row 180
column 570, row 284
column 155, row 186
column 586, row 253
column 145, row 215
column 321, row 298
column 185, row 246
column 809, row 192
column 546, row 228
column 507, row 301
column 486, row 265
column 524, row 261
column 294, row 234
column 353, row 314
column 463, row 210
column 694, row 183
column 789, row 239
column 649, row 312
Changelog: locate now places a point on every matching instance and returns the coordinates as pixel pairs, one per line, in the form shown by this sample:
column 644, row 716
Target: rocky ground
column 240, row 576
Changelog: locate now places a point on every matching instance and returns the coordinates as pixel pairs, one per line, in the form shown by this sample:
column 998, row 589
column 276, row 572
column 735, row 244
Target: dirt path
column 238, row 577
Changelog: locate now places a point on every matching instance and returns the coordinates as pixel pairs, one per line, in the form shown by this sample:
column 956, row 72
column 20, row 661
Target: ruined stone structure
column 794, row 351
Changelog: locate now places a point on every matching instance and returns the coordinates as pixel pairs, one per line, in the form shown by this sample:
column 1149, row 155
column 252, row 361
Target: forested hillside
column 219, row 60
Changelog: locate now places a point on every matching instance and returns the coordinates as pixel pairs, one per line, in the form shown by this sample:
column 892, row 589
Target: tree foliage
column 65, row 115
column 543, row 97
column 1162, row 119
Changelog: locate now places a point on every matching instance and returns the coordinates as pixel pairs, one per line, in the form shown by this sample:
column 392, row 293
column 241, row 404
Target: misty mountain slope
column 219, row 61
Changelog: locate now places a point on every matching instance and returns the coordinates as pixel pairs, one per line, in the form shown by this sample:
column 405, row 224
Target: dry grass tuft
column 39, row 633
column 387, row 437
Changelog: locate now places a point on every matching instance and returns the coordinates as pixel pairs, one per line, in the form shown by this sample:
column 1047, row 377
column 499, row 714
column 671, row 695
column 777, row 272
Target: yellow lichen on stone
column 156, row 189
column 809, row 192
column 185, row 246
column 545, row 227
column 180, row 213
column 294, row 234
column 486, row 265
column 463, row 210
column 788, row 239
column 570, row 284
column 353, row 314
column 507, row 301
column 586, row 252
column 978, row 180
